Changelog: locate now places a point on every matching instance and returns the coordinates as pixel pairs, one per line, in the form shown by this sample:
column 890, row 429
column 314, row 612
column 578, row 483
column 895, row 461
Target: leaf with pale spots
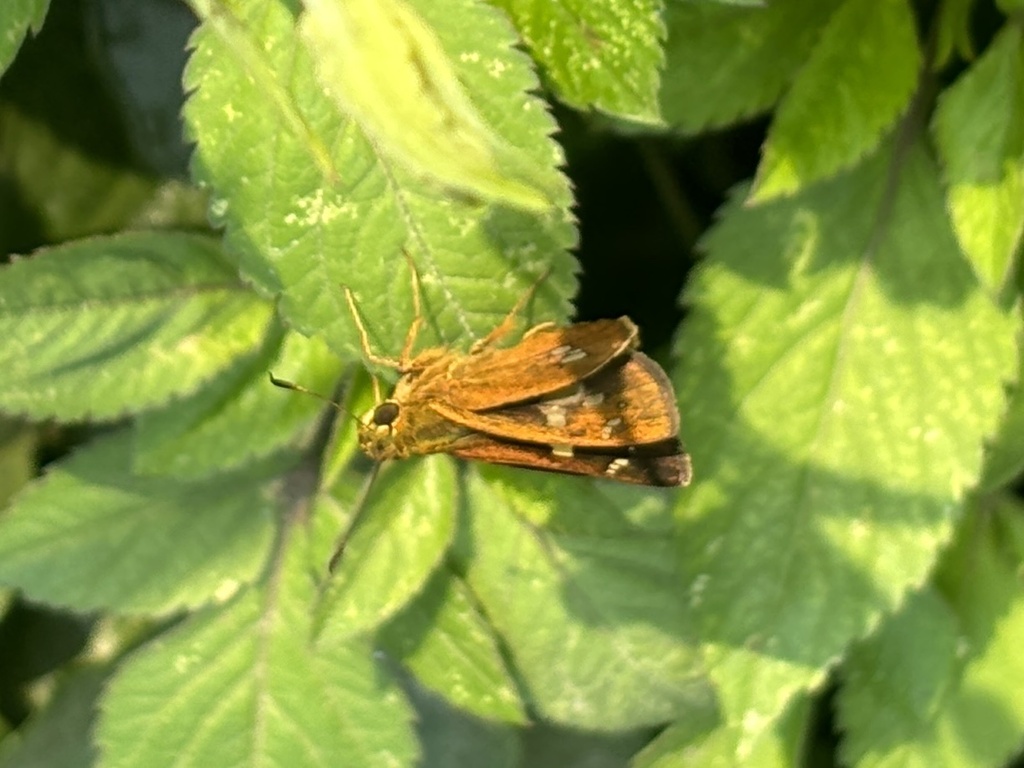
column 841, row 371
column 312, row 204
column 598, row 54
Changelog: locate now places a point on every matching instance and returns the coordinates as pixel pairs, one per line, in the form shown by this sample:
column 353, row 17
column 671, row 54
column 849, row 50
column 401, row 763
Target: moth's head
column 377, row 431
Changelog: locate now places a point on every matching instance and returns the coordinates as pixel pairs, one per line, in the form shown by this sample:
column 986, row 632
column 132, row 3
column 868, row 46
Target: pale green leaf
column 724, row 64
column 60, row 735
column 841, row 371
column 90, row 535
column 310, row 206
column 241, row 684
column 445, row 642
column 597, row 54
column 17, row 19
column 580, row 579
column 102, row 327
column 979, row 133
column 845, row 98
column 386, row 69
column 938, row 685
column 239, row 416
column 405, row 528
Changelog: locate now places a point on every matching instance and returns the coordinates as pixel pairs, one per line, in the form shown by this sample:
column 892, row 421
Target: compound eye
column 385, row 414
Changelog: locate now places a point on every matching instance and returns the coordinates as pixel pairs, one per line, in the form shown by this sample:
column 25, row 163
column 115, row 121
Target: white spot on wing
column 616, row 466
column 562, row 451
column 609, row 427
column 573, row 355
column 554, row 414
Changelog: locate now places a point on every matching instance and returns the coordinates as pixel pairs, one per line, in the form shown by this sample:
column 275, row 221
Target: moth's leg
column 364, row 339
column 505, row 327
column 417, row 311
column 538, row 328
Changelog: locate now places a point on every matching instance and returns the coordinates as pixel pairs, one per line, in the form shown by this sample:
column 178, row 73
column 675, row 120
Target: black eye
column 385, row 414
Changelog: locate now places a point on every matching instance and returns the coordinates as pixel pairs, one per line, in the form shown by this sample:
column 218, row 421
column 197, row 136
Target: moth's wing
column 547, row 359
column 662, row 464
column 628, row 403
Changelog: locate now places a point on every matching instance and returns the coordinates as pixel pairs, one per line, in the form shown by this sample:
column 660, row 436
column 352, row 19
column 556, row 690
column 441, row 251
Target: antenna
column 299, row 388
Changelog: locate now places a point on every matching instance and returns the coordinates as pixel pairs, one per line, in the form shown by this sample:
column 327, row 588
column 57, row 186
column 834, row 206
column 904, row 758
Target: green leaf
column 387, row 70
column 91, row 535
column 979, row 132
column 61, row 735
column 702, row 740
column 603, row 55
column 845, row 97
column 241, row 684
column 585, row 573
column 454, row 739
column 17, row 19
column 408, row 521
column 106, row 326
column 449, row 647
column 726, row 63
column 841, row 370
column 931, row 688
column 239, row 416
column 1004, row 459
column 18, row 446
column 953, row 33
column 310, row 205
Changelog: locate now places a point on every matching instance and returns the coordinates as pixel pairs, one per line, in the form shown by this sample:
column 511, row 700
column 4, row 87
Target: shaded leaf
column 603, row 55
column 931, row 687
column 61, row 735
column 450, row 649
column 404, row 531
column 17, row 19
column 979, row 133
column 583, row 573
column 724, row 63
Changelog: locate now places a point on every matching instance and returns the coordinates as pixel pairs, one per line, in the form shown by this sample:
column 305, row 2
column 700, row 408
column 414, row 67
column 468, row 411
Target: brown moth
column 579, row 399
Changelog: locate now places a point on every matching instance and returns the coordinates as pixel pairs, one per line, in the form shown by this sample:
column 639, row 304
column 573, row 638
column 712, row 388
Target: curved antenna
column 298, row 388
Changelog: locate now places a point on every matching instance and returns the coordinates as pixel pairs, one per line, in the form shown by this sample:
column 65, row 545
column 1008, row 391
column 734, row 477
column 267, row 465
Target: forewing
column 547, row 360
column 662, row 464
column 628, row 403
